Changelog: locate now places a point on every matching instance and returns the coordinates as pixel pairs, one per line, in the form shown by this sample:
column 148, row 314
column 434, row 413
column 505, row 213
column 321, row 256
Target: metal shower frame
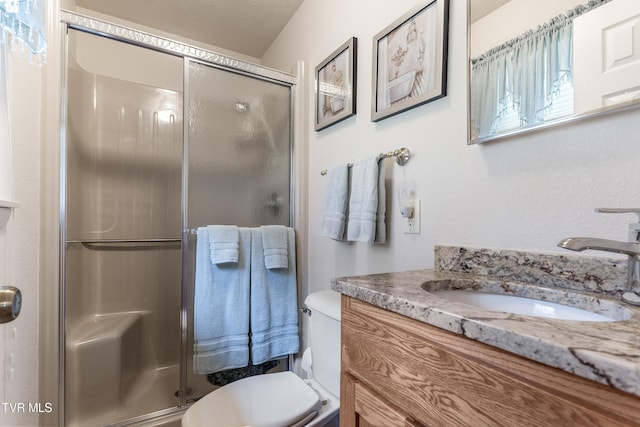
column 189, row 54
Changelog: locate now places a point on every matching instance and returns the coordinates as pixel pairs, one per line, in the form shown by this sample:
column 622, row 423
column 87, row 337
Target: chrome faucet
column 630, row 248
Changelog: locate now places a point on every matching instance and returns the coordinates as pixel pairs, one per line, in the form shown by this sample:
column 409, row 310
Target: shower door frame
column 189, row 54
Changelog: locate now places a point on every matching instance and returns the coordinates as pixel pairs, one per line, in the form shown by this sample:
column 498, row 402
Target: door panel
column 607, row 56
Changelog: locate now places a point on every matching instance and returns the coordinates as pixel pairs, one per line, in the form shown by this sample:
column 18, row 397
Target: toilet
column 283, row 399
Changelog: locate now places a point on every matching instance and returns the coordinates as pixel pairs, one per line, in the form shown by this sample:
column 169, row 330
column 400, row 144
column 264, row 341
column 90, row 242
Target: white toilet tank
column 324, row 332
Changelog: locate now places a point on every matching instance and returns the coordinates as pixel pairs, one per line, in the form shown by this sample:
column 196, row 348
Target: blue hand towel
column 274, row 304
column 221, row 308
column 335, row 202
column 363, row 201
column 223, row 241
column 381, row 213
column 275, row 242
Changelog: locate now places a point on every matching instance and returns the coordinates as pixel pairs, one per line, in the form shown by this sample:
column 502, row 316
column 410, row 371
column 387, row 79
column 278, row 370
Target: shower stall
column 159, row 138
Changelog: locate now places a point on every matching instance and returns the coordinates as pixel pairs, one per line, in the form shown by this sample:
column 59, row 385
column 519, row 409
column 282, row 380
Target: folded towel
column 274, row 304
column 363, row 201
column 223, row 241
column 335, row 202
column 381, row 213
column 221, row 308
column 275, row 242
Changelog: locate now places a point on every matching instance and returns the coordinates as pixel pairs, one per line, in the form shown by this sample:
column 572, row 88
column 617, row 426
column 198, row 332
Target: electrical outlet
column 412, row 225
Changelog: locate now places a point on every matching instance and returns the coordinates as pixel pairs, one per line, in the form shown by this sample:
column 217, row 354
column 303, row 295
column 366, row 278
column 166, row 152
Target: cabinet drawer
column 441, row 378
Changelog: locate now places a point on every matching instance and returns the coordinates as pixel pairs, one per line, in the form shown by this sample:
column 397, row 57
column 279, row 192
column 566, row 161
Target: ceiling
column 244, row 26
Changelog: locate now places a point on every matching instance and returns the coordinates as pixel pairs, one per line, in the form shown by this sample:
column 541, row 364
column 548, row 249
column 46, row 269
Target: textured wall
column 19, row 246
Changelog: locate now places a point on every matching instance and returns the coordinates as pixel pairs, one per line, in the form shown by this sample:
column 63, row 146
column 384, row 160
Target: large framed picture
column 336, row 86
column 410, row 60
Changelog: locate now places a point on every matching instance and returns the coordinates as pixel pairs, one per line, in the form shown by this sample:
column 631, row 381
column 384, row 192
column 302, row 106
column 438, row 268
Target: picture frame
column 410, row 60
column 335, row 86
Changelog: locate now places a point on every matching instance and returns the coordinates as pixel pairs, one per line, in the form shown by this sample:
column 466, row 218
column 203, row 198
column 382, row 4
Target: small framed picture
column 336, row 86
column 410, row 60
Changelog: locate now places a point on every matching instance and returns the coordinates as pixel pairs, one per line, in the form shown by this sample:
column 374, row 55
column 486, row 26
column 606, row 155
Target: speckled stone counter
column 606, row 352
column 599, row 274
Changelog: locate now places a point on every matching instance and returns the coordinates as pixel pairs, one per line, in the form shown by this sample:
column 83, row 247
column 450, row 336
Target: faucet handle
column 620, row 210
column 634, row 229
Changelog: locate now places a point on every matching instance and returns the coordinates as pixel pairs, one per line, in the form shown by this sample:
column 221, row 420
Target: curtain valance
column 24, row 20
column 526, row 71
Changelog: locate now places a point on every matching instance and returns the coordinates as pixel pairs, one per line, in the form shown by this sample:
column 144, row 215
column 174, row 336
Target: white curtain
column 526, row 71
column 24, row 21
column 21, row 26
column 6, row 165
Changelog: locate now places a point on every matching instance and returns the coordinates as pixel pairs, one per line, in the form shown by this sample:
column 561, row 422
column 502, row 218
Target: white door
column 607, row 56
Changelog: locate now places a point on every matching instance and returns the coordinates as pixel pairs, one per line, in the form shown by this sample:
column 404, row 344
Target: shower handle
column 274, row 203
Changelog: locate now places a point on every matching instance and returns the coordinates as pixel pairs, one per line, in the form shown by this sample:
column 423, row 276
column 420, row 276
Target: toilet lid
column 269, row 400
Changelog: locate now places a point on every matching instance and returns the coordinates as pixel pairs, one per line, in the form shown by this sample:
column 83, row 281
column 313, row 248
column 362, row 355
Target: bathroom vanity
column 411, row 357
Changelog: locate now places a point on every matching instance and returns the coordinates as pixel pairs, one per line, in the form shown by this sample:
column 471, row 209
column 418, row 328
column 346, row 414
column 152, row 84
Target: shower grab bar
column 402, row 155
column 107, row 241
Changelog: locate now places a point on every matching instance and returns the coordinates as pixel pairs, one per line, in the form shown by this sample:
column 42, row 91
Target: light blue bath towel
column 363, row 201
column 274, row 304
column 275, row 243
column 221, row 307
column 336, row 198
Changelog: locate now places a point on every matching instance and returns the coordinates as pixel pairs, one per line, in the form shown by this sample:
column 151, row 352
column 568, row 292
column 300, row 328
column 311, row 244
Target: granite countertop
column 606, row 352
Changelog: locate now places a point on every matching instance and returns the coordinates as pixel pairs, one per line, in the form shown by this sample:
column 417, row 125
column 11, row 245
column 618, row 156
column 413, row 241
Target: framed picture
column 336, row 86
column 410, row 60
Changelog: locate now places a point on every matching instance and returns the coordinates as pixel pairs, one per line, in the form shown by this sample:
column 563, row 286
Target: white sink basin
column 521, row 305
column 530, row 300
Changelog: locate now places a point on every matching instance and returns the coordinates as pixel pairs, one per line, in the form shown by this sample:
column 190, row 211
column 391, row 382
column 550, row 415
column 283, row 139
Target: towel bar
column 402, row 155
column 116, row 241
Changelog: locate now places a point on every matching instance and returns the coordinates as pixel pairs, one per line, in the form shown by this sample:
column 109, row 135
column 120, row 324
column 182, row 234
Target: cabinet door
column 393, row 366
column 372, row 411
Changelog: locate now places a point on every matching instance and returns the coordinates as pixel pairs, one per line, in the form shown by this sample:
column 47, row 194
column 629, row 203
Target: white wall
column 527, row 192
column 19, row 242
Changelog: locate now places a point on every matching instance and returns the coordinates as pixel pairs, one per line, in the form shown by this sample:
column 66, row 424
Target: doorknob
column 10, row 303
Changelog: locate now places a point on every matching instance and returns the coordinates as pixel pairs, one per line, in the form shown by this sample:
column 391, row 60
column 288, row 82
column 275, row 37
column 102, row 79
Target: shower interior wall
column 124, row 168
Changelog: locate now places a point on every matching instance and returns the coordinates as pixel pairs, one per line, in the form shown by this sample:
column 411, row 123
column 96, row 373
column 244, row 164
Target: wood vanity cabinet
column 397, row 371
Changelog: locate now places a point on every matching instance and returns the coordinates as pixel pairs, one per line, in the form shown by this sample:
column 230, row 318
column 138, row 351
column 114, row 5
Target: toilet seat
column 269, row 400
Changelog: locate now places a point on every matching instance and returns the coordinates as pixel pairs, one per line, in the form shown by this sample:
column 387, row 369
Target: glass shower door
column 123, row 222
column 239, row 162
column 135, row 183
